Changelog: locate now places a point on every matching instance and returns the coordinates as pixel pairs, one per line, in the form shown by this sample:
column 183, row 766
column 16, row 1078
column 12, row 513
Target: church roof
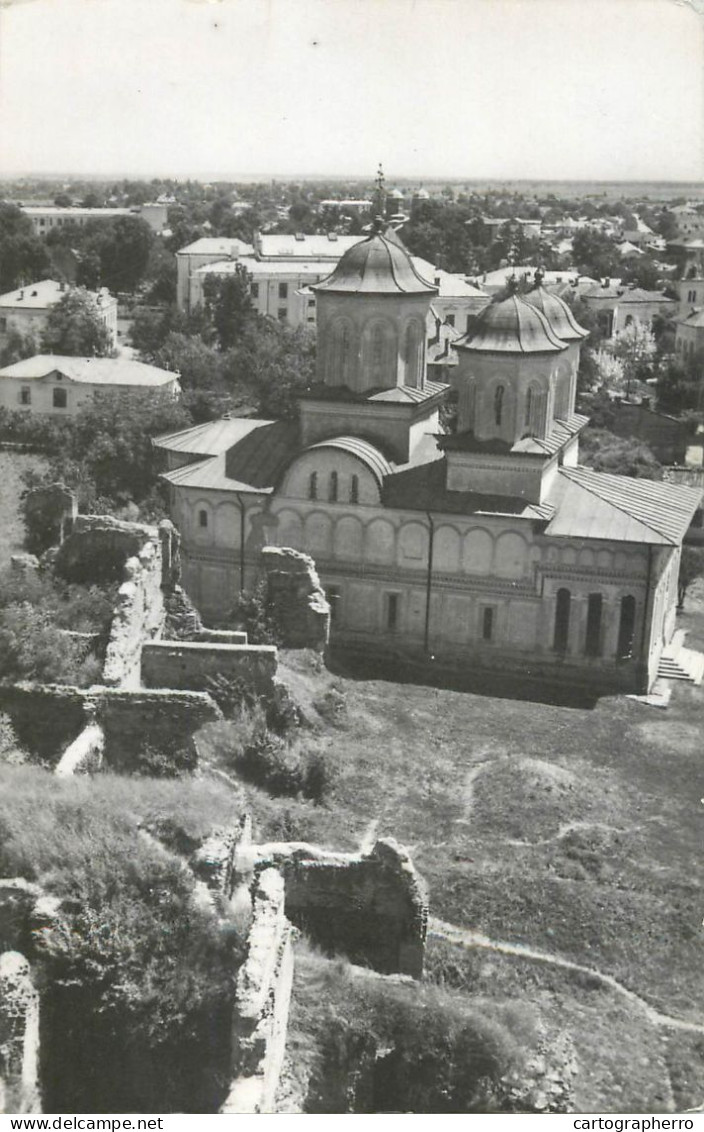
column 378, row 265
column 557, row 313
column 368, row 453
column 253, row 463
column 209, row 439
column 601, row 506
column 511, row 326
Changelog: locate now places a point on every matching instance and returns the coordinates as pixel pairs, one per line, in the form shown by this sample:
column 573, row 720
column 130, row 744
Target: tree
column 605, row 452
column 679, row 382
column 595, row 254
column 74, row 327
column 124, row 253
column 691, row 568
column 23, row 256
column 16, row 347
column 229, row 304
column 635, row 350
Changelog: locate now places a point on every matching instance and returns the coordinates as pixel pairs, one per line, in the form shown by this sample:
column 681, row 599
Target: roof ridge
column 570, row 473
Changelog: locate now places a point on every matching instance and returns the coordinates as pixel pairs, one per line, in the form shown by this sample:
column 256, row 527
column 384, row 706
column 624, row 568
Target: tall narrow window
column 313, row 485
column 593, row 641
column 59, row 399
column 498, row 404
column 392, row 612
column 202, row 518
column 488, row 622
column 626, row 628
column 354, row 489
column 332, row 491
column 562, row 620
column 529, row 407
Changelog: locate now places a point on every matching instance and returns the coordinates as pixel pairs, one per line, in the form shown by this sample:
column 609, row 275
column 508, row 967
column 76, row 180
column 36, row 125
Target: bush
column 254, row 616
column 138, row 972
column 32, row 648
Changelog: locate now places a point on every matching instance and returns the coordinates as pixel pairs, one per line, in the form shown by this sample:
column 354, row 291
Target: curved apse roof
column 368, row 453
column 511, row 326
column 379, row 265
column 557, row 313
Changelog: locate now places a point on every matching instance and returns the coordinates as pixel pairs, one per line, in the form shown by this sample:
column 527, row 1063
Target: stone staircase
column 680, row 663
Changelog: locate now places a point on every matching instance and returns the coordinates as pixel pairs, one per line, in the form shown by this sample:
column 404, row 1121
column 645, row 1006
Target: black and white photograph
column 351, row 562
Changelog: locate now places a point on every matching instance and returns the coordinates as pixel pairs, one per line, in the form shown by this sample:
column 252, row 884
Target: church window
column 626, row 627
column 202, row 518
column 392, row 612
column 593, row 641
column 59, row 399
column 488, row 621
column 562, row 620
column 313, row 485
column 498, row 404
column 529, row 406
column 354, row 489
column 283, row 290
column 332, row 491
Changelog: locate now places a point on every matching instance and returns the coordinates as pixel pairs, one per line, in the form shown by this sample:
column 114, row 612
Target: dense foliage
column 74, row 327
column 139, row 970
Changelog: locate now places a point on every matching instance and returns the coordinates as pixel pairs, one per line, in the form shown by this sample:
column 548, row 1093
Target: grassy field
column 12, row 465
column 573, row 831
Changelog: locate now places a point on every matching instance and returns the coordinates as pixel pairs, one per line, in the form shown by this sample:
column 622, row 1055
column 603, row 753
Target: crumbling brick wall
column 296, row 598
column 191, row 664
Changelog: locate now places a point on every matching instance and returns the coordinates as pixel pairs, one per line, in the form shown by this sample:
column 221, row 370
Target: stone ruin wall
column 296, row 598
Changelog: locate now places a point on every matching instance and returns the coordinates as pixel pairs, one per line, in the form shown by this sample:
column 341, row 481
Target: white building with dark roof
column 489, row 548
column 59, row 386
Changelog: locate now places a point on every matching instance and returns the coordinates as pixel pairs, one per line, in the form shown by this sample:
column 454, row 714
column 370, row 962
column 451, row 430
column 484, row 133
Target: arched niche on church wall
column 497, row 415
column 203, row 532
column 569, row 556
column 340, row 349
column 227, row 525
column 510, row 555
column 535, row 404
column 412, row 544
column 348, row 539
column 379, row 354
column 317, row 534
column 379, row 542
column 604, row 559
column 413, row 345
column 290, row 530
column 477, row 552
column 447, row 550
column 563, row 386
column 587, row 559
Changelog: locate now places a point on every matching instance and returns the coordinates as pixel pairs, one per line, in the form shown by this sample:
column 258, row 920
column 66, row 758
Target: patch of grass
column 139, row 972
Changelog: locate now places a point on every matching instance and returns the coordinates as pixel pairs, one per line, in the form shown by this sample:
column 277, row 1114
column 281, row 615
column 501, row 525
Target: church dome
column 556, row 311
column 379, row 265
column 511, row 326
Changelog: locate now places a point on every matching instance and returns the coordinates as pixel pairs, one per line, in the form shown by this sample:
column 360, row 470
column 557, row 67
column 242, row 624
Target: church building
column 485, row 547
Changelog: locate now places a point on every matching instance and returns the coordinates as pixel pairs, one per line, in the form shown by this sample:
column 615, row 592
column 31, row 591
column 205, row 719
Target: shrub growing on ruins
column 32, row 648
column 138, row 972
column 252, row 614
column 385, row 1047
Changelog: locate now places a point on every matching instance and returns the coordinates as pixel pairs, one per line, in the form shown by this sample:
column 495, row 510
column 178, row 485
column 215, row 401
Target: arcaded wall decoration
column 296, row 598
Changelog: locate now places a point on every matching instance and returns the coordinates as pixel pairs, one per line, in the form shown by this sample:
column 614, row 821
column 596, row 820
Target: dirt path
column 464, row 937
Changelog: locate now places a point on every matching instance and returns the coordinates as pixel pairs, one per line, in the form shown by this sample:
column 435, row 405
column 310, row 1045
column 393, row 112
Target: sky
column 512, row 89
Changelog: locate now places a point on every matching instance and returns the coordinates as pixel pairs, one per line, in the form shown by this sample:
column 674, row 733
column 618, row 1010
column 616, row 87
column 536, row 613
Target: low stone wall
column 296, row 598
column 163, row 719
column 190, row 664
column 54, row 722
column 45, row 717
column 139, row 617
column 19, row 1036
column 262, row 999
column 371, row 907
